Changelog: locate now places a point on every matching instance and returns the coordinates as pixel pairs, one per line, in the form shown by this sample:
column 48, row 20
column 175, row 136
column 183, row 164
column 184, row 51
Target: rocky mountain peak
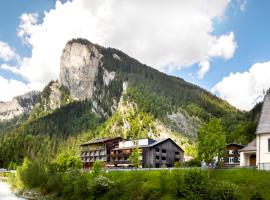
column 18, row 105
column 79, row 65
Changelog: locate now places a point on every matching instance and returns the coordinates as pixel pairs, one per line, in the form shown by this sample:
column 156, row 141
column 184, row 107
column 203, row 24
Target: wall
column 263, row 156
column 170, row 148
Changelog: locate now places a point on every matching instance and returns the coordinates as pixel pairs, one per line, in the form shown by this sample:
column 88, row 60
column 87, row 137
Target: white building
column 258, row 151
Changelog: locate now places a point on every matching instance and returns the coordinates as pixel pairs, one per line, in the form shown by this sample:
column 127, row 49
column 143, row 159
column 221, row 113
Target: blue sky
column 237, row 71
column 252, row 31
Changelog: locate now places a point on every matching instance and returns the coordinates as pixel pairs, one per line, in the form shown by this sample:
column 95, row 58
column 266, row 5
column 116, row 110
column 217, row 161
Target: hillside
column 102, row 92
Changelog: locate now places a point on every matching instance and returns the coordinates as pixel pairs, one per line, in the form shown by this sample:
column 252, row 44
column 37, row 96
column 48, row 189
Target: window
column 238, row 159
column 176, row 153
column 231, row 160
column 163, row 150
column 157, row 150
column 230, row 151
column 157, row 157
column 236, row 151
column 163, row 158
column 268, row 144
column 157, row 165
column 176, row 159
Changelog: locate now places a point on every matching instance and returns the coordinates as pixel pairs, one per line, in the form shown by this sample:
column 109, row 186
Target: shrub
column 67, row 160
column 177, row 164
column 99, row 186
column 193, row 163
column 222, row 191
column 97, row 168
column 256, row 196
column 32, row 174
column 81, row 189
column 177, row 186
column 194, row 183
column 54, row 184
column 150, row 191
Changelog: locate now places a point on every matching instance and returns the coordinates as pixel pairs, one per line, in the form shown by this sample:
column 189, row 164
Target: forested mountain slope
column 102, row 92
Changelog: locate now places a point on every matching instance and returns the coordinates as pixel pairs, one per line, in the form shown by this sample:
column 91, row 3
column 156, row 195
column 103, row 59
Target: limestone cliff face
column 85, row 76
column 18, row 106
column 78, row 69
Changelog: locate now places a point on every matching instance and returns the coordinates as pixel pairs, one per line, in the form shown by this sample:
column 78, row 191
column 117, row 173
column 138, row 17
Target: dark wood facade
column 162, row 153
column 98, row 150
column 232, row 155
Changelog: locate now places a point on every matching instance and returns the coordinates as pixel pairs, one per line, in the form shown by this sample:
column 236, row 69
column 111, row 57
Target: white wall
column 242, row 159
column 143, row 142
column 263, row 156
column 126, row 144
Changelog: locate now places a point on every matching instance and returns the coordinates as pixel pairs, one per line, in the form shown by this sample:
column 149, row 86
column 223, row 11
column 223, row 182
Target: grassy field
column 247, row 182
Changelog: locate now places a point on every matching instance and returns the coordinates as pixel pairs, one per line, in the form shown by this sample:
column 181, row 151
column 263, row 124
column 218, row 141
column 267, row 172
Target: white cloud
column 244, row 90
column 6, row 53
column 176, row 34
column 204, row 67
column 11, row 88
column 28, row 21
column 224, row 46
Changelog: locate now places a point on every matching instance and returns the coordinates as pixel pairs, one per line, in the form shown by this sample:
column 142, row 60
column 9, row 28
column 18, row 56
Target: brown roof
column 100, row 140
column 264, row 123
column 250, row 146
column 232, row 143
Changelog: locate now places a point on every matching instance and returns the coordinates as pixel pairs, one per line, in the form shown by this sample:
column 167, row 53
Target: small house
column 232, row 155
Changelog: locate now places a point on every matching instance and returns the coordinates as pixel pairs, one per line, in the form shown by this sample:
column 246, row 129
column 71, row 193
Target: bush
column 81, row 189
column 100, row 186
column 256, row 196
column 97, row 168
column 32, row 174
column 150, row 191
column 54, row 184
column 177, row 164
column 177, row 186
column 67, row 160
column 222, row 191
column 193, row 163
column 194, row 184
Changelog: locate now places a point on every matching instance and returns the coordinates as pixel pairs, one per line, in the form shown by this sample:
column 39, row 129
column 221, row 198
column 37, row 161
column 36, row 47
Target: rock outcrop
column 79, row 67
column 19, row 105
column 86, row 77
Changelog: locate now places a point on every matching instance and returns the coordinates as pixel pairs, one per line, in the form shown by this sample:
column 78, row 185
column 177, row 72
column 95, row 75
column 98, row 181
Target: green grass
column 248, row 181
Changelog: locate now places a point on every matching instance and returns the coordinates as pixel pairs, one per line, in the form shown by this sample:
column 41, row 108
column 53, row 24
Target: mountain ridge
column 103, row 92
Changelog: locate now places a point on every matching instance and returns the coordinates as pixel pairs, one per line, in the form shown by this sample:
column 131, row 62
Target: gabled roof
column 232, row 143
column 264, row 122
column 250, row 146
column 163, row 140
column 100, row 140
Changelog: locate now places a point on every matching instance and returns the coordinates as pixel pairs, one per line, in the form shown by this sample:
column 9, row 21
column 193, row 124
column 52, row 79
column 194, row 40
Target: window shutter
column 268, row 144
